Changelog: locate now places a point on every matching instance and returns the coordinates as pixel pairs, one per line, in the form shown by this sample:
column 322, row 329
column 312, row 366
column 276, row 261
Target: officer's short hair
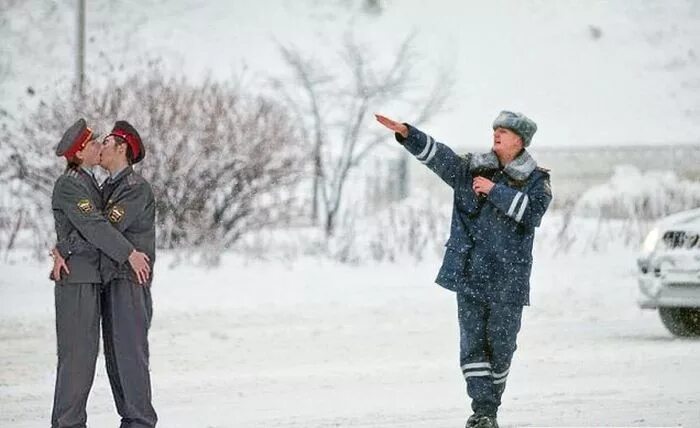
column 129, row 152
column 74, row 163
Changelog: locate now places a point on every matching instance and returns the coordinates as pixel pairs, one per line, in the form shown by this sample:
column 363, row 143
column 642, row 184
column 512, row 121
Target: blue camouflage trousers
column 488, row 334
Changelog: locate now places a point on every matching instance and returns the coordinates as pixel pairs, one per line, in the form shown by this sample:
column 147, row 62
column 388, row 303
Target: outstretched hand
column 393, row 125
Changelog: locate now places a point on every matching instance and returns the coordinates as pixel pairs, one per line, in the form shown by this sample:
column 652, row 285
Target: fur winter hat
column 518, row 123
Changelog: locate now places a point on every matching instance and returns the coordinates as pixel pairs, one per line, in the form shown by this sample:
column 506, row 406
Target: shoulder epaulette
column 547, row 170
column 70, row 172
column 134, row 179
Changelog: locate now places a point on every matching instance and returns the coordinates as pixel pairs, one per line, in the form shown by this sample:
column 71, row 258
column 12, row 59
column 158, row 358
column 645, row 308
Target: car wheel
column 681, row 321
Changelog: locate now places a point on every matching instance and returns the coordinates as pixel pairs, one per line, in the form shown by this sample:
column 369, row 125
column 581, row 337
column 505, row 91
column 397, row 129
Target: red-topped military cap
column 74, row 139
column 128, row 133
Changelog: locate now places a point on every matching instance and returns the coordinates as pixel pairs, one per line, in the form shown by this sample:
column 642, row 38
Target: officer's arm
column 132, row 204
column 436, row 156
column 74, row 243
column 526, row 208
column 71, row 197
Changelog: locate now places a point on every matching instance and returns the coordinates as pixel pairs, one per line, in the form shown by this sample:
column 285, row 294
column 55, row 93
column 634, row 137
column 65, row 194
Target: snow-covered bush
column 222, row 161
column 631, row 193
column 617, row 213
column 623, row 209
column 414, row 228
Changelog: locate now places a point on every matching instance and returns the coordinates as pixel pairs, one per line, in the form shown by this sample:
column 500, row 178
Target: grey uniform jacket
column 83, row 233
column 130, row 208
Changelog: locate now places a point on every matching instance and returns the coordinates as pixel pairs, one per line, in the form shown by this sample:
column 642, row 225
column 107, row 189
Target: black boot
column 473, row 419
column 484, row 422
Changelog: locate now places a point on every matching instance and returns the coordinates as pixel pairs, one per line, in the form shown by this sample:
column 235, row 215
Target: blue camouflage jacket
column 489, row 252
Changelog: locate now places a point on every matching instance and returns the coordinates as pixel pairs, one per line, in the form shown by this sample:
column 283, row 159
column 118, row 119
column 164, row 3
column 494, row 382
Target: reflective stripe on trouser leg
column 474, row 357
column 127, row 309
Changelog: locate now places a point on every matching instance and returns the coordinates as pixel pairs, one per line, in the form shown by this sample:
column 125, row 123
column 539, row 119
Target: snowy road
column 320, row 345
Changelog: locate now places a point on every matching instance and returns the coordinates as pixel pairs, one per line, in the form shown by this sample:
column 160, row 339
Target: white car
column 669, row 272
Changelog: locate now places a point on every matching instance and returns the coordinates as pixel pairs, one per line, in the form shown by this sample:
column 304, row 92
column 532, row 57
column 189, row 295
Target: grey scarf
column 519, row 168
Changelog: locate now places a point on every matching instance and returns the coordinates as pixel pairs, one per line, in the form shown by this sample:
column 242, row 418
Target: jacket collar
column 120, row 174
column 519, row 168
column 88, row 175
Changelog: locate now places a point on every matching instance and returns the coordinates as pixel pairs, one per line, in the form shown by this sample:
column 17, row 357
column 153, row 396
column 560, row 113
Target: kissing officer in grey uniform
column 85, row 238
column 127, row 304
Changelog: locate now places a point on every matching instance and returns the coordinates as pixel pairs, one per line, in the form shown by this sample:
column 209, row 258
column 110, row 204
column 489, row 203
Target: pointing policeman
column 499, row 199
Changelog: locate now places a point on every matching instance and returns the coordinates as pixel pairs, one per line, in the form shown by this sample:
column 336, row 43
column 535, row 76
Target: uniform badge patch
column 116, row 214
column 85, row 206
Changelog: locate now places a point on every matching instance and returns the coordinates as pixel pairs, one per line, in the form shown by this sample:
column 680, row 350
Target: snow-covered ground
column 316, row 344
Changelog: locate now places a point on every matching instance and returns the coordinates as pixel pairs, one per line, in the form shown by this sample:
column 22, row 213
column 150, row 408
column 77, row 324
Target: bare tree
column 334, row 105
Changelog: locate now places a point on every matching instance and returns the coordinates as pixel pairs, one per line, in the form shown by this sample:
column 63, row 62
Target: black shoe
column 484, row 422
column 473, row 419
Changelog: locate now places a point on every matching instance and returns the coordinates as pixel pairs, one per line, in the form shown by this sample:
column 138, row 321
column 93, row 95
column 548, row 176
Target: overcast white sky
column 637, row 83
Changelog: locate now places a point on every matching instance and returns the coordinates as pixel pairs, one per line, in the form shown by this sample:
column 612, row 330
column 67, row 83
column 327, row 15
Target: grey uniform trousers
column 125, row 310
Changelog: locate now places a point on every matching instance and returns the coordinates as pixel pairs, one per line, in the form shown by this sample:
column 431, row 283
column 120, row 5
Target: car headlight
column 651, row 241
